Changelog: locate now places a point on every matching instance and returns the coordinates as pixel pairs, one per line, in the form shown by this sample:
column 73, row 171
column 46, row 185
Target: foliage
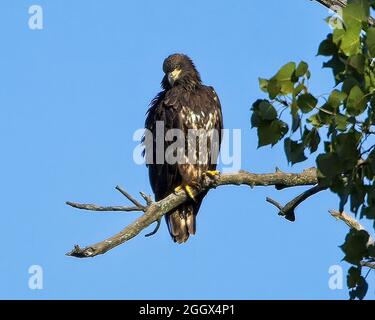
column 340, row 125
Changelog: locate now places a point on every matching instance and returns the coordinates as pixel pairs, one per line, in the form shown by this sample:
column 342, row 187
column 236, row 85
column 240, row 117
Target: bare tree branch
column 288, row 211
column 154, row 211
column 130, row 198
column 155, row 230
column 147, row 198
column 349, row 220
column 94, row 207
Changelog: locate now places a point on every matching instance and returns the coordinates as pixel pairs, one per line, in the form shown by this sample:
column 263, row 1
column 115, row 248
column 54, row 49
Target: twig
column 130, row 198
column 147, row 198
column 156, row 210
column 368, row 150
column 155, row 230
column 288, row 211
column 326, row 111
column 368, row 264
column 94, row 207
column 349, row 221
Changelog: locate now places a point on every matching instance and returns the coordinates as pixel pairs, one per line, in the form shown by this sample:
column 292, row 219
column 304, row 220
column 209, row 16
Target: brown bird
column 188, row 105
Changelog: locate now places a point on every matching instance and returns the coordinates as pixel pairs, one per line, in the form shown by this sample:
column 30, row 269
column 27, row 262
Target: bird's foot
column 178, row 189
column 212, row 173
column 211, row 177
column 188, row 189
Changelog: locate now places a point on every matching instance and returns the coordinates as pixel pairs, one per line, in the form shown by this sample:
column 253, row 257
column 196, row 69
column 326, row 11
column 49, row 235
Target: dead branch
column 349, row 220
column 288, row 211
column 154, row 211
column 131, row 199
column 94, row 207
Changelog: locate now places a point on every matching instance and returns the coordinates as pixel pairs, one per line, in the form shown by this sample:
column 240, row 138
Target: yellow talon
column 212, row 173
column 190, row 192
column 178, row 189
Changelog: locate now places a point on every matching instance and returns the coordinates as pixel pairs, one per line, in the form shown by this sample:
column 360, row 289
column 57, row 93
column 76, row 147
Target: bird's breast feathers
column 198, row 109
column 205, row 118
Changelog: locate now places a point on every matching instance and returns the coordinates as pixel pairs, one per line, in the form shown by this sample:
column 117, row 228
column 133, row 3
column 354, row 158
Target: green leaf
column 274, row 88
column 356, row 282
column 307, row 102
column 357, row 196
column 346, row 147
column 298, row 89
column 368, row 212
column 285, row 73
column 355, row 246
column 267, row 111
column 371, row 41
column 357, row 11
column 354, row 14
column 311, row 139
column 272, row 133
column 326, row 114
column 329, row 165
column 357, row 62
column 315, row 120
column 349, row 84
column 337, row 36
column 337, row 66
column 350, row 42
column 263, row 84
column 327, row 47
column 284, row 78
column 360, row 290
column 296, row 122
column 336, row 98
column 256, row 119
column 354, row 275
column 302, row 69
column 295, row 152
column 341, row 122
column 356, row 102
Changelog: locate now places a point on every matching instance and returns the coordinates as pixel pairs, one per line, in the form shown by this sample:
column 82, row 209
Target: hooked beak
column 173, row 76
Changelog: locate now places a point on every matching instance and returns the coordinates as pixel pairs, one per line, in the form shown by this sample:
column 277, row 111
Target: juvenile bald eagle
column 188, row 105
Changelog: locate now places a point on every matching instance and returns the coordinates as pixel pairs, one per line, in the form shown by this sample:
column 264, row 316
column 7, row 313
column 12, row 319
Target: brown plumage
column 185, row 103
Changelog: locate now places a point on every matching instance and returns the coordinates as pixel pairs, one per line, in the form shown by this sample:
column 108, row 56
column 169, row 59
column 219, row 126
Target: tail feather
column 191, row 222
column 182, row 222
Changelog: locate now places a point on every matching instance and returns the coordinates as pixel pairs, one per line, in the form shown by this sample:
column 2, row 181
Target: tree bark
column 153, row 212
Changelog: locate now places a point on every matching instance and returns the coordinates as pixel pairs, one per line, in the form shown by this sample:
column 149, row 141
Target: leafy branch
column 338, row 125
column 359, row 244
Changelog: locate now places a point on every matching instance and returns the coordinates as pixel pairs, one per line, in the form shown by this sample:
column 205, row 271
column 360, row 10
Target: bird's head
column 179, row 69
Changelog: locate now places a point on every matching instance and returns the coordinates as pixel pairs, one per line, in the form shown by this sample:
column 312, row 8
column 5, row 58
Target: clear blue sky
column 71, row 96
